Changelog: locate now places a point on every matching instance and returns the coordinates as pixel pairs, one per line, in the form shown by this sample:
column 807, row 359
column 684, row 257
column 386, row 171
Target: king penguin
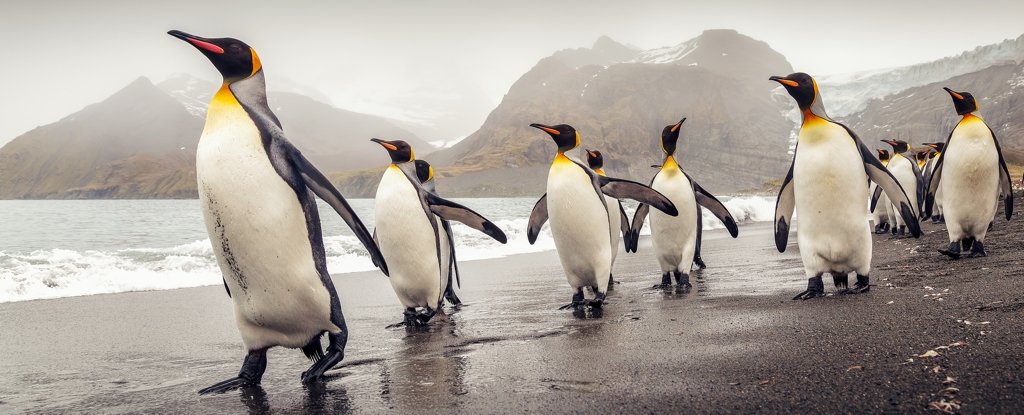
column 425, row 173
column 827, row 183
column 618, row 222
column 576, row 206
column 411, row 234
column 970, row 175
column 908, row 175
column 257, row 194
column 881, row 209
column 674, row 238
column 932, row 161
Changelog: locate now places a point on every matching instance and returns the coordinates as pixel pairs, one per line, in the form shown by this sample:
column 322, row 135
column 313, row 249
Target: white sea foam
column 54, row 273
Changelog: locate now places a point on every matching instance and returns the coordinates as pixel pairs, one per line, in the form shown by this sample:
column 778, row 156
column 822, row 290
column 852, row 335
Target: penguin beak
column 199, row 42
column 954, row 94
column 385, row 144
column 889, row 142
column 553, row 132
column 678, row 124
column 782, row 80
column 590, row 153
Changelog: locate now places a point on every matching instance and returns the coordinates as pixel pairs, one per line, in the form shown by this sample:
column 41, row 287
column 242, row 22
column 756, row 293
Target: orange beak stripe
column 551, row 131
column 788, row 82
column 389, row 146
column 206, row 45
column 676, row 127
column 956, row 95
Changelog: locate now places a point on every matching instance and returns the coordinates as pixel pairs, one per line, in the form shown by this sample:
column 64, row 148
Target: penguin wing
column 708, row 201
column 623, row 222
column 323, row 188
column 933, row 186
column 538, row 216
column 1004, row 178
column 451, row 251
column 919, row 191
column 627, row 189
column 874, row 198
column 884, row 179
column 449, row 210
column 638, row 223
column 784, row 206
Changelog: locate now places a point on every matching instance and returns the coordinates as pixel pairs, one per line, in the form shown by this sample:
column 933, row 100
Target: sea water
column 62, row 248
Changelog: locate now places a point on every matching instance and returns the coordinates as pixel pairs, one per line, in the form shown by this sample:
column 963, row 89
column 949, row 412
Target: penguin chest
column 579, row 223
column 903, row 170
column 970, row 172
column 408, row 241
column 674, row 237
column 259, row 235
column 830, row 187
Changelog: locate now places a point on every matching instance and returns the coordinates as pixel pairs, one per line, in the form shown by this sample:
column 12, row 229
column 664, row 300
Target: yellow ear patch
column 430, row 173
column 256, row 65
column 577, row 139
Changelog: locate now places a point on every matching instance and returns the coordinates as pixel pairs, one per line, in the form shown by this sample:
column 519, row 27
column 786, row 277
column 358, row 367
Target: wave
column 54, row 273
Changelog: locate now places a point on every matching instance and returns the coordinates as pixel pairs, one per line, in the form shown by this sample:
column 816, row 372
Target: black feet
column 335, row 353
column 815, row 289
column 683, row 280
column 841, row 280
column 453, row 299
column 862, row 286
column 577, row 301
column 977, row 250
column 953, row 251
column 252, row 371
column 666, row 280
column 598, row 301
column 412, row 318
column 700, row 262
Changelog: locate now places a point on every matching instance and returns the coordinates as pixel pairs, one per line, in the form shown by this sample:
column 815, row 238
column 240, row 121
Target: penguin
column 257, row 194
column 579, row 215
column 881, row 210
column 618, row 221
column 827, row 182
column 933, row 160
column 908, row 174
column 425, row 174
column 674, row 238
column 633, row 240
column 411, row 234
column 970, row 175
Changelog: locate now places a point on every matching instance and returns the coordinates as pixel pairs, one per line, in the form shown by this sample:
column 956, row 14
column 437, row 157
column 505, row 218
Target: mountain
column 850, row 93
column 735, row 137
column 140, row 143
column 926, row 114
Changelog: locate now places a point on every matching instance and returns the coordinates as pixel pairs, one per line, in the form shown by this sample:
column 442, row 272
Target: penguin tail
column 313, row 350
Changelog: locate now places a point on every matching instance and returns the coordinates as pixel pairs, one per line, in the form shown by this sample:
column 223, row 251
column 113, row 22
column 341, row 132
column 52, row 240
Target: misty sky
column 376, row 56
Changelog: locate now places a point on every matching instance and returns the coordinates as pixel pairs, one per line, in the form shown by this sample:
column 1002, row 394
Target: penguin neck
column 670, row 163
column 970, row 116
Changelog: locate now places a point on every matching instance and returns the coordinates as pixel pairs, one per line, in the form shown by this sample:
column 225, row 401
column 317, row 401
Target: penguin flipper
column 1004, row 179
column 318, row 183
column 627, row 189
column 538, row 216
column 449, row 210
column 638, row 223
column 784, row 205
column 708, row 201
column 623, row 222
column 884, row 179
column 451, row 252
column 919, row 191
column 933, row 186
column 874, row 198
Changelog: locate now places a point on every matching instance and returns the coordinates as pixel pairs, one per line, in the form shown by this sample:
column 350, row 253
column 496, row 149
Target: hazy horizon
column 400, row 59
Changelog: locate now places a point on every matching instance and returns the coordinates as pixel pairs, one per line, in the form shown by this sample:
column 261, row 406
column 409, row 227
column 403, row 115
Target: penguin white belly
column 578, row 221
column 830, row 189
column 259, row 234
column 902, row 169
column 970, row 180
column 408, row 242
column 674, row 237
column 614, row 224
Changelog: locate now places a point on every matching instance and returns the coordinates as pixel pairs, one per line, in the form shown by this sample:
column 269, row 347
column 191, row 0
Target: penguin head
column 400, row 151
column 424, row 171
column 937, row 146
column 595, row 159
column 233, row 58
column 566, row 137
column 883, row 154
column 921, row 156
column 964, row 102
column 804, row 89
column 898, row 146
column 669, row 137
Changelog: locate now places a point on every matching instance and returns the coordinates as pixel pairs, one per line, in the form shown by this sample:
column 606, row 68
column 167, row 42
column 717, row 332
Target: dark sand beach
column 735, row 344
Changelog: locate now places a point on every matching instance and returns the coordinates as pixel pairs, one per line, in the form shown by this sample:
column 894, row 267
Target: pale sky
column 58, row 56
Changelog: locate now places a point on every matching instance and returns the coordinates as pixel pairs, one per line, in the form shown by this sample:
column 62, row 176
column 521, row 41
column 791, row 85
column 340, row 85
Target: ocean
column 64, row 248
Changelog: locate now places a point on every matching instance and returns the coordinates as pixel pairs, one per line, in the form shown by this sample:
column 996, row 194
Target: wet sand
column 735, row 344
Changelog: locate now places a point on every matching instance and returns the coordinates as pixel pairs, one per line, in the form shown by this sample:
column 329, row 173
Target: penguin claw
column 807, row 295
column 317, row 369
column 227, row 385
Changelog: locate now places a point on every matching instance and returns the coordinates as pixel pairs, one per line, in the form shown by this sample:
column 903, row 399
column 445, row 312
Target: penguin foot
column 335, row 354
column 699, row 262
column 598, row 302
column 953, row 251
column 666, row 281
column 977, row 250
column 683, row 281
column 578, row 302
column 841, row 281
column 815, row 289
column 452, row 298
column 252, row 371
column 863, row 285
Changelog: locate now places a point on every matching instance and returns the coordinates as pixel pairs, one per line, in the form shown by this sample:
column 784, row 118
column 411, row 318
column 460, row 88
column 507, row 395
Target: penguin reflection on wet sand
column 618, row 222
column 828, row 183
column 881, row 209
column 971, row 174
column 674, row 238
column 411, row 234
column 578, row 211
column 257, row 193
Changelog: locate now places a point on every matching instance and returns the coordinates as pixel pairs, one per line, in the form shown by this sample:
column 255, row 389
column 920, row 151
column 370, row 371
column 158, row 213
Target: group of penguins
column 258, row 194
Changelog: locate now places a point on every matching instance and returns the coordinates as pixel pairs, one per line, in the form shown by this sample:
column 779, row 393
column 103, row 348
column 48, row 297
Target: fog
column 410, row 60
